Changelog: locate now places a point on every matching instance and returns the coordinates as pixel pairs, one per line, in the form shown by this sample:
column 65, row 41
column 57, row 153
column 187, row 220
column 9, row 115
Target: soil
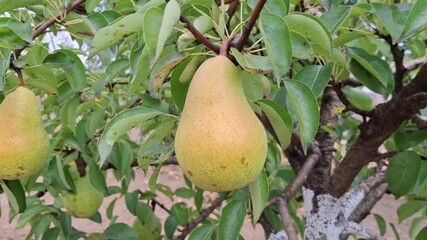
column 172, row 176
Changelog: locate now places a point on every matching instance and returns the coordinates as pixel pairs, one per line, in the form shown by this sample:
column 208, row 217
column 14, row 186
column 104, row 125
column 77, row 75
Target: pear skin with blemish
column 24, row 144
column 220, row 144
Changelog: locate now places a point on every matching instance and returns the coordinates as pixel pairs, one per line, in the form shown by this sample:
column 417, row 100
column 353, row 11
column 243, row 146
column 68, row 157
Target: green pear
column 24, row 145
column 220, row 144
column 86, row 199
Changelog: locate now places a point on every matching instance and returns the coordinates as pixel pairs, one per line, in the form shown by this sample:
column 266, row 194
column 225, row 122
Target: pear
column 220, row 144
column 86, row 199
column 24, row 145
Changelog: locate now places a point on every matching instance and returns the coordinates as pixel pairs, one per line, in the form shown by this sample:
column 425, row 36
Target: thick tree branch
column 321, row 171
column 249, row 25
column 203, row 215
column 419, row 122
column 385, row 120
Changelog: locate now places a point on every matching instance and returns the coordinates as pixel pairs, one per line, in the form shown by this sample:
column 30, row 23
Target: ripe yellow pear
column 86, row 200
column 24, row 145
column 220, row 144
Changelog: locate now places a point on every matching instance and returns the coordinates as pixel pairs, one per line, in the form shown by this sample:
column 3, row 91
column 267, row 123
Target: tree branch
column 303, row 173
column 40, row 29
column 282, row 206
column 385, row 120
column 198, row 35
column 249, row 25
column 419, row 122
column 203, row 215
column 398, row 56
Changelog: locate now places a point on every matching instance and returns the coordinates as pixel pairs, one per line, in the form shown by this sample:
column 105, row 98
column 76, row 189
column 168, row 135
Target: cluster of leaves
column 129, row 63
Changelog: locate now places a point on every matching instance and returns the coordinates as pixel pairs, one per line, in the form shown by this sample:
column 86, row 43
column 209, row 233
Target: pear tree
column 292, row 117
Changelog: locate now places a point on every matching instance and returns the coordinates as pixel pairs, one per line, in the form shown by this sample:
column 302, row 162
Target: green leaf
column 316, row 77
column 409, row 208
column 180, row 212
column 15, row 194
column 169, row 59
column 4, row 64
column 402, row 172
column 23, row 30
column 408, row 137
column 41, row 76
column 304, row 105
column 422, row 234
column 203, row 232
column 115, row 68
column 391, row 18
column 170, row 18
column 279, row 119
column 7, row 5
column 252, row 63
column 253, row 85
column 277, row 39
column 358, row 98
column 42, row 225
column 97, row 178
column 382, row 226
column 120, row 125
column 179, row 86
column 115, row 32
column 259, row 195
column 120, row 231
column 375, row 65
column 232, row 218
column 417, row 20
column 313, row 30
column 52, row 233
column 152, row 21
column 140, row 66
column 335, row 17
column 368, row 79
column 276, row 7
column 170, row 227
column 90, row 5
column 72, row 65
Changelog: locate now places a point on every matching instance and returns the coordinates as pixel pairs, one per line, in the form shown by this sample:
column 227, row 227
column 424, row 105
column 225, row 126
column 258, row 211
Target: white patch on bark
column 331, row 218
column 278, row 236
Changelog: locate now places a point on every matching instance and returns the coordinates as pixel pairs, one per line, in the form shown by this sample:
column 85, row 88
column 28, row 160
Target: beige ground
column 171, row 175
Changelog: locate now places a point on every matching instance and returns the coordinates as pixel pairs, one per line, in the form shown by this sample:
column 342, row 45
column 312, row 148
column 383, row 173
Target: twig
column 398, row 59
column 203, row 215
column 230, row 12
column 282, row 206
column 40, row 29
column 135, row 103
column 304, row 171
column 249, row 25
column 199, row 36
column 155, row 202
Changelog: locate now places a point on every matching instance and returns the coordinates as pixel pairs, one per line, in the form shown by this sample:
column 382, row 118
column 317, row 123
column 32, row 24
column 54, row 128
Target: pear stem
column 223, row 51
column 20, row 77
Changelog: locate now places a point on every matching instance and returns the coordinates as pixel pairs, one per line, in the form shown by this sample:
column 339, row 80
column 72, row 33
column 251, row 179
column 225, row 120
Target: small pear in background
column 220, row 144
column 86, row 199
column 24, row 145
